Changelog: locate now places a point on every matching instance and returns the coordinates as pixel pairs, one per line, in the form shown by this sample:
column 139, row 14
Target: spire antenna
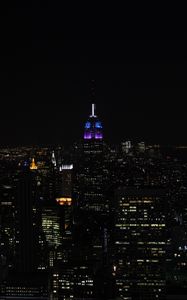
column 93, row 110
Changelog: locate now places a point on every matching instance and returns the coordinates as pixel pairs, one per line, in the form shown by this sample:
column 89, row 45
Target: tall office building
column 92, row 198
column 91, row 228
column 26, row 223
column 25, row 280
column 57, row 216
column 64, row 193
column 139, row 242
column 7, row 227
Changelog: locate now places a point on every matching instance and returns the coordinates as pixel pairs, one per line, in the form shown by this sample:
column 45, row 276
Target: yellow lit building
column 33, row 165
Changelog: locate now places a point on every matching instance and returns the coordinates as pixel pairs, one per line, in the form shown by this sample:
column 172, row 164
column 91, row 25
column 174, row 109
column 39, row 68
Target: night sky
column 140, row 82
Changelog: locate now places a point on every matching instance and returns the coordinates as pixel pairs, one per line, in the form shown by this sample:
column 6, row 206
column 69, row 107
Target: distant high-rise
column 140, row 221
column 33, row 165
column 64, row 193
column 26, row 223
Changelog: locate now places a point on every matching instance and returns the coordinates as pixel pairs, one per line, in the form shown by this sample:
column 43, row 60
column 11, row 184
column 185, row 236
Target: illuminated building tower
column 139, row 242
column 53, row 159
column 57, row 218
column 126, row 147
column 92, row 188
column 91, row 229
column 93, row 127
column 33, row 165
column 64, row 193
column 62, row 281
column 52, row 228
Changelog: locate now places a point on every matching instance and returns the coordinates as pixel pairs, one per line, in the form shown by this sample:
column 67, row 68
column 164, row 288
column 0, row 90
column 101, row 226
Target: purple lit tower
column 93, row 127
column 91, row 201
column 92, row 197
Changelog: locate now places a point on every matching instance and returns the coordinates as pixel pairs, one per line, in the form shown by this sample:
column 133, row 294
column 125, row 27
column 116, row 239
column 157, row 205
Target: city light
column 64, row 201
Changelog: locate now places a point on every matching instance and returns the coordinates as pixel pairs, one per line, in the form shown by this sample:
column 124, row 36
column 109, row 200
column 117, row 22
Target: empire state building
column 93, row 127
column 93, row 198
column 91, row 225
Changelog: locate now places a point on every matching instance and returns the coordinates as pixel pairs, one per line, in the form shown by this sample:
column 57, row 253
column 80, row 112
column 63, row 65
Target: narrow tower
column 91, row 232
column 93, row 164
column 93, row 127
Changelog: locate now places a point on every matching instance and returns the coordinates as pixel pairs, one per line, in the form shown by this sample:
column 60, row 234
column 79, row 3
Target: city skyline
column 30, row 136
column 93, row 155
column 110, row 222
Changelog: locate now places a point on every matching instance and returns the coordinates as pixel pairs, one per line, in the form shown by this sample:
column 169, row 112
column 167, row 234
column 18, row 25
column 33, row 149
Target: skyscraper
column 25, row 279
column 91, row 230
column 26, row 225
column 140, row 221
column 92, row 177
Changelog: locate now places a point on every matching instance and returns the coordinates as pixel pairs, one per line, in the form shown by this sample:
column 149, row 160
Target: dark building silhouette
column 25, row 286
column 27, row 234
column 25, row 280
